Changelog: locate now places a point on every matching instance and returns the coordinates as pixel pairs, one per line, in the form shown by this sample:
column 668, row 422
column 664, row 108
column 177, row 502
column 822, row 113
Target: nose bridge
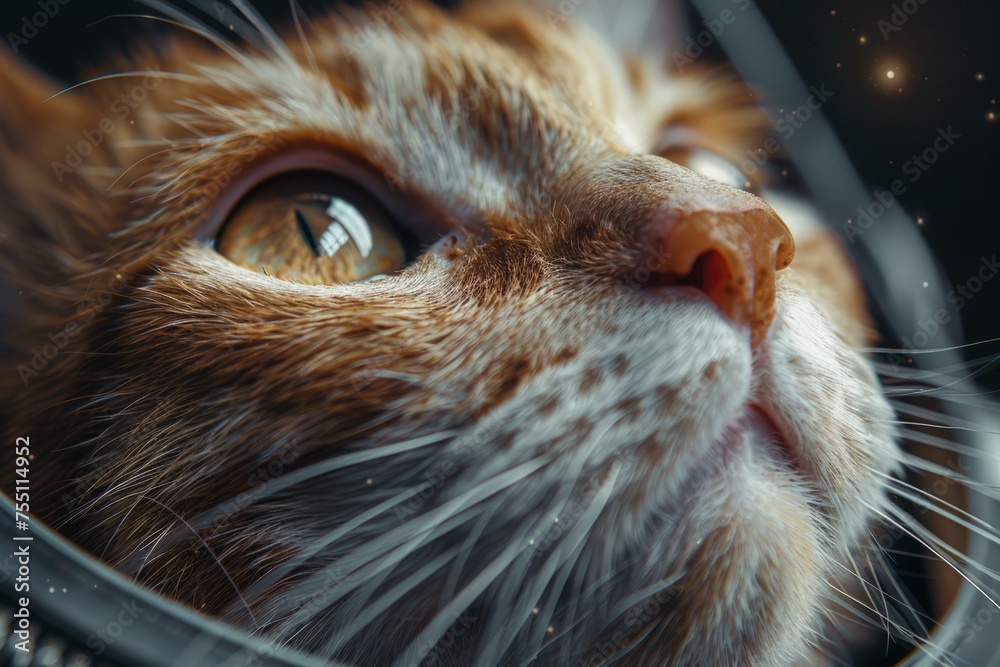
column 726, row 242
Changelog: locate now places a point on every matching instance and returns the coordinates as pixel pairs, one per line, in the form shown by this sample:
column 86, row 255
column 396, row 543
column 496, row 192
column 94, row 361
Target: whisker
column 927, row 414
column 957, row 516
column 912, row 529
column 278, row 47
column 386, row 542
column 297, row 16
column 932, row 375
column 136, row 164
column 931, row 379
column 899, row 602
column 215, row 558
column 174, row 76
column 465, row 552
column 184, row 22
column 916, row 436
column 873, row 584
column 904, row 351
column 229, row 17
column 373, row 562
column 370, row 611
column 323, row 467
column 435, row 630
column 857, row 605
column 942, row 426
column 918, row 463
column 501, row 637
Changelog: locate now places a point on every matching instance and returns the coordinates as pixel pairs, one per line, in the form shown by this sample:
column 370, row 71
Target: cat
column 410, row 337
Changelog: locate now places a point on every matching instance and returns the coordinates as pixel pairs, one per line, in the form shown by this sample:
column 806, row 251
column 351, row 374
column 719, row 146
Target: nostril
column 712, row 275
column 716, row 272
column 731, row 257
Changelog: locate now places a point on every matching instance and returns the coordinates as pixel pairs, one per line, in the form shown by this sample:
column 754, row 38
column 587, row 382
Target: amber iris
column 314, row 229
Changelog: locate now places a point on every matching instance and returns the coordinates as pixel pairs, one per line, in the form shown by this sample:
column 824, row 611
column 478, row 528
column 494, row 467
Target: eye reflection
column 314, row 229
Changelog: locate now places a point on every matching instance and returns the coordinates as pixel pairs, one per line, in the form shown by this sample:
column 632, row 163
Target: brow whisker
column 174, row 76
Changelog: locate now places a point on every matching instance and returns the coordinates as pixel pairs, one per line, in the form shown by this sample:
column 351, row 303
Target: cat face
column 594, row 410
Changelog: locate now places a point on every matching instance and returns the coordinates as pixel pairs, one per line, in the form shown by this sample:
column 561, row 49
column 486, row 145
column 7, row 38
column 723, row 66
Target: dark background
column 945, row 58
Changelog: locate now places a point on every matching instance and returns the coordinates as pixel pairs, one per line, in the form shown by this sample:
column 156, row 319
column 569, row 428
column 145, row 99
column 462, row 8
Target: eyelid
column 686, row 137
column 401, row 205
column 673, row 136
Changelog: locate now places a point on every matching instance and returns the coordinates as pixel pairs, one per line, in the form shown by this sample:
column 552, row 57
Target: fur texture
column 509, row 451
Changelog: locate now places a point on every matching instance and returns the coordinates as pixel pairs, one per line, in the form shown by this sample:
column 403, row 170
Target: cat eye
column 710, row 164
column 314, row 228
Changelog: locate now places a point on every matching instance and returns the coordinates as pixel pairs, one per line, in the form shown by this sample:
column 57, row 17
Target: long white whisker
column 318, row 469
column 135, row 164
column 278, row 47
column 887, row 623
column 913, row 435
column 918, row 463
column 202, row 541
column 186, row 22
column 174, row 76
column 232, row 19
column 904, row 489
column 913, row 528
column 440, row 515
column 942, row 426
column 446, row 617
column 297, row 16
column 503, row 636
column 927, row 414
column 370, row 611
column 905, row 351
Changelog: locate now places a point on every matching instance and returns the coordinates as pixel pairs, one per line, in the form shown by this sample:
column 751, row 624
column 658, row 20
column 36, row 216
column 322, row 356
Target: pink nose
column 730, row 254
